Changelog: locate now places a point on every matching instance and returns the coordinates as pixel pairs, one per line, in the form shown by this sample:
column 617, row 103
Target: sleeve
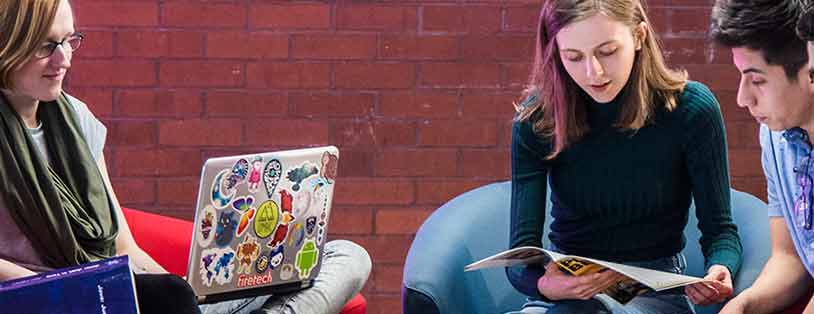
column 769, row 163
column 529, row 177
column 706, row 157
column 93, row 130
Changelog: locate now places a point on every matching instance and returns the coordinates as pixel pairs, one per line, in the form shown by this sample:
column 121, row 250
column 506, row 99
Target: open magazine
column 639, row 280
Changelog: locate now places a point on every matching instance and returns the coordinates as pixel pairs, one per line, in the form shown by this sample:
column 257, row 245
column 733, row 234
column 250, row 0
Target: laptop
column 261, row 222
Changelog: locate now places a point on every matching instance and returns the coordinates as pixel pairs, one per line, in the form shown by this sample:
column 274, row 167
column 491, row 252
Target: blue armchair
column 475, row 225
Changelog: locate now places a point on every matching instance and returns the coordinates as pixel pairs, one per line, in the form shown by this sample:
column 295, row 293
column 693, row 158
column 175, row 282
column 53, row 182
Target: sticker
column 302, row 202
column 320, row 198
column 321, row 228
column 330, row 164
column 207, row 226
column 225, row 231
column 276, row 257
column 306, row 259
column 296, row 234
column 224, row 267
column 321, row 201
column 320, row 235
column 285, row 219
column 297, row 175
column 221, row 197
column 255, row 174
column 271, row 176
column 247, row 253
column 266, row 219
column 245, row 281
column 217, row 265
column 207, row 268
column 238, row 175
column 244, row 205
column 286, row 272
column 262, row 264
column 310, row 226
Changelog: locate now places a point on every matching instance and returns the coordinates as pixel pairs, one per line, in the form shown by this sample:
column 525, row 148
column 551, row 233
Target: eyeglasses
column 47, row 49
column 802, row 204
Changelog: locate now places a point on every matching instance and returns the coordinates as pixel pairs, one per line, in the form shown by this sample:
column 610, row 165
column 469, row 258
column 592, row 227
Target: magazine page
column 654, row 279
column 520, row 255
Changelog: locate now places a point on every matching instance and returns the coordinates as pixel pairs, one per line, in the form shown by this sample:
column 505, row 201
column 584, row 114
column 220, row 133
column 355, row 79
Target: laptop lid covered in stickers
column 261, row 222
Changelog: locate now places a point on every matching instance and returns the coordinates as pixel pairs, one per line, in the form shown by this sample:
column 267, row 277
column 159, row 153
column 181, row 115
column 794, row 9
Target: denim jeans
column 345, row 268
column 672, row 301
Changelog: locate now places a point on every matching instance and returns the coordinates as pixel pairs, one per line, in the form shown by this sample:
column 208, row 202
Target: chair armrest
column 164, row 238
column 470, row 227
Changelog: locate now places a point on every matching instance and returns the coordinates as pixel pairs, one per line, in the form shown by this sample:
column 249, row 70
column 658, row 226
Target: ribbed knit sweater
column 623, row 196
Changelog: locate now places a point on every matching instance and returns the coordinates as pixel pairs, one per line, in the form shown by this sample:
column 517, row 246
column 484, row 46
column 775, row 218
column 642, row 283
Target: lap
column 665, row 302
column 651, row 303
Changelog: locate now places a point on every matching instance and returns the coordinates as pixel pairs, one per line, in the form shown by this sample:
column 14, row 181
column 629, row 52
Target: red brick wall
column 417, row 95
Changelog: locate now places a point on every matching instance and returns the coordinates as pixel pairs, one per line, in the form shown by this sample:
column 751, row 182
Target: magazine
column 638, row 280
column 105, row 286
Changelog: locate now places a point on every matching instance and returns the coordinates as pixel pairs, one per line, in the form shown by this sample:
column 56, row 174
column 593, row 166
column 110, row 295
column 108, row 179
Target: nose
column 594, row 68
column 61, row 58
column 745, row 97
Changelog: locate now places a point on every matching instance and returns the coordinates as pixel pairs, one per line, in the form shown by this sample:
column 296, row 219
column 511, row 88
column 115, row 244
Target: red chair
column 167, row 240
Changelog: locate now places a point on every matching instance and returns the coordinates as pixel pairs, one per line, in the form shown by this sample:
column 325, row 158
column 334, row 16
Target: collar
column 798, row 137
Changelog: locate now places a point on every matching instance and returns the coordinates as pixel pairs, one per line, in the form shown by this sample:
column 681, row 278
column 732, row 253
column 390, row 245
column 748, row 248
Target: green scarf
column 63, row 208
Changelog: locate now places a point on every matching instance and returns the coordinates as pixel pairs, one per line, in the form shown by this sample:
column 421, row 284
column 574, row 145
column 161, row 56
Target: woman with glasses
column 57, row 207
column 625, row 145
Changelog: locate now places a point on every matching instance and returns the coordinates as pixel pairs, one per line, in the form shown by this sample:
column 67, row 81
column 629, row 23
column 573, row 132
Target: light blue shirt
column 781, row 153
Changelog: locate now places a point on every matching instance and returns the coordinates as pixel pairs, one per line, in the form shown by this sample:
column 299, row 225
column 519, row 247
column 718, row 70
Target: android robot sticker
column 306, row 259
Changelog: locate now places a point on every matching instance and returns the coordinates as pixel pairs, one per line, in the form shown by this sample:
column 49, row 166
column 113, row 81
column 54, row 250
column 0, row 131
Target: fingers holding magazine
column 716, row 287
column 577, row 277
column 559, row 285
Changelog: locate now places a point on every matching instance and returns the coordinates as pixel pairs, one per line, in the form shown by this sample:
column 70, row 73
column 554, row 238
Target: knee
column 179, row 286
column 357, row 263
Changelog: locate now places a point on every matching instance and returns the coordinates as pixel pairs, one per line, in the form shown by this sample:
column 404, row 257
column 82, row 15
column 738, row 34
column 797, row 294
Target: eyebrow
column 600, row 45
column 753, row 70
column 67, row 34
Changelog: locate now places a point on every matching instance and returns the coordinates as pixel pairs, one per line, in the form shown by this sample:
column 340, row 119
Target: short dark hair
column 765, row 26
column 805, row 25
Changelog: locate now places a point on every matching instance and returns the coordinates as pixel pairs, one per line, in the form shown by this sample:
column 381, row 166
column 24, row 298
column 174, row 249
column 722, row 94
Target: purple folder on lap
column 103, row 287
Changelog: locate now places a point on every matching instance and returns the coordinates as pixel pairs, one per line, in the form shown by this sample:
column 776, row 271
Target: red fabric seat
column 167, row 240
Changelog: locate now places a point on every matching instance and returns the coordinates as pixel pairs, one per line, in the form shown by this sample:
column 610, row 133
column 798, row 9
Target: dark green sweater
column 623, row 196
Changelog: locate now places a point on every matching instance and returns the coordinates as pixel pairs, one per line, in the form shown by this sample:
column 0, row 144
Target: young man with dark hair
column 776, row 88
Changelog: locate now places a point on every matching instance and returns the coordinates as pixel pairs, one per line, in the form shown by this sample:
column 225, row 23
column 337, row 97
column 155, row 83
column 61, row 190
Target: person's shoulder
column 697, row 101
column 79, row 107
column 697, row 96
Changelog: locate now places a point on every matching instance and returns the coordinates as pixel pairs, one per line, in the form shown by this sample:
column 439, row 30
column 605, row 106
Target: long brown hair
column 24, row 26
column 559, row 111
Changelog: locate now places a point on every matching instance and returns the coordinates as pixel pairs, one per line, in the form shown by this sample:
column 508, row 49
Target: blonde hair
column 559, row 111
column 24, row 25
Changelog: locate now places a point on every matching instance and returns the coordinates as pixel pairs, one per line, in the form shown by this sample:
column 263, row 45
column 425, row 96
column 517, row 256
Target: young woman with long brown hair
column 625, row 144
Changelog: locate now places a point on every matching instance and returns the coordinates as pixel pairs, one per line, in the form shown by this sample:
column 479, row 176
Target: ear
column 640, row 35
column 808, row 77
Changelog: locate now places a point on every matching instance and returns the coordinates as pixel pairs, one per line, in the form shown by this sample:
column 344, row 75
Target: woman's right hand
column 558, row 285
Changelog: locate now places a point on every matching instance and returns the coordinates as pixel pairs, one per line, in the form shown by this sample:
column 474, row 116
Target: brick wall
column 417, row 95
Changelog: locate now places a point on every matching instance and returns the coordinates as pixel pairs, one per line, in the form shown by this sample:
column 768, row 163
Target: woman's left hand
column 716, row 287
